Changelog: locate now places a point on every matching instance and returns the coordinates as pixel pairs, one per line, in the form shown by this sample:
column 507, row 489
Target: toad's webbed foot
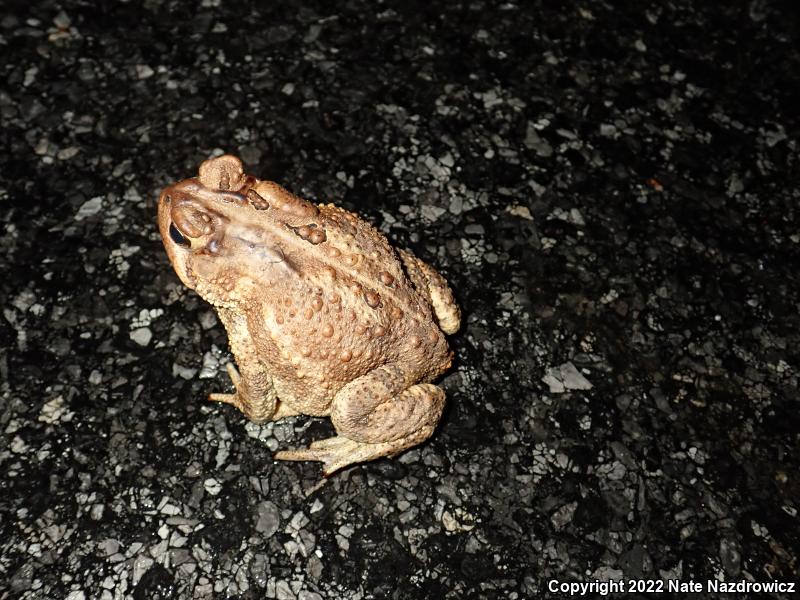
column 338, row 452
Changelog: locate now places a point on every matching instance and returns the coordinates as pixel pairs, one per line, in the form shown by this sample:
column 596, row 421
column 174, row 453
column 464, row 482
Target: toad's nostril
column 177, row 236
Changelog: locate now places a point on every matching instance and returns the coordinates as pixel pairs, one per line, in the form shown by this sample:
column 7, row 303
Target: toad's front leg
column 255, row 394
column 376, row 415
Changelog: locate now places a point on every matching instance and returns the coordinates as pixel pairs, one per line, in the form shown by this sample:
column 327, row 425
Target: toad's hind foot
column 338, row 452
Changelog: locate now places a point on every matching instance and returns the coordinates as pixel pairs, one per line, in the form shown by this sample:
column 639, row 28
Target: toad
column 324, row 317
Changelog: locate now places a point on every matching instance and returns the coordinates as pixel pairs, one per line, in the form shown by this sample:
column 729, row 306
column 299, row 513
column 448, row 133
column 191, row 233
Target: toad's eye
column 177, row 237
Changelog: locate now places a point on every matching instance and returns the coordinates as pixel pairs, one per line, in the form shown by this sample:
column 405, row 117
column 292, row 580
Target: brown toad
column 323, row 316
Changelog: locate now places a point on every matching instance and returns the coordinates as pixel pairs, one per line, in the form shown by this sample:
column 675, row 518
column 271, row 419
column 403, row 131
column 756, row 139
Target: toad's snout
column 191, row 221
column 183, row 219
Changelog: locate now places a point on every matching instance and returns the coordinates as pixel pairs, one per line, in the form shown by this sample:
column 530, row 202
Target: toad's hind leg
column 376, row 415
column 434, row 287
